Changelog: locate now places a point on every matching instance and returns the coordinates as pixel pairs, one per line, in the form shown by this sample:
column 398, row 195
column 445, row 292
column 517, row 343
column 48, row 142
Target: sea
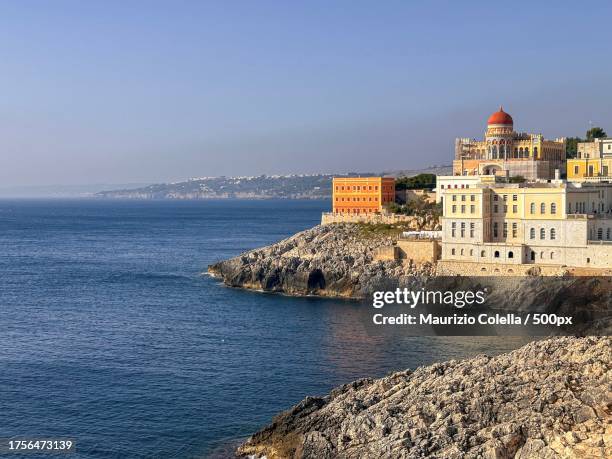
column 113, row 335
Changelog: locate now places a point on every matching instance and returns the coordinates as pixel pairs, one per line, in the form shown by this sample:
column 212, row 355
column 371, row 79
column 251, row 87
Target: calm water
column 111, row 336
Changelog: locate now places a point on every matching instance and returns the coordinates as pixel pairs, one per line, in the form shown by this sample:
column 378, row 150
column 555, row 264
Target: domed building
column 507, row 152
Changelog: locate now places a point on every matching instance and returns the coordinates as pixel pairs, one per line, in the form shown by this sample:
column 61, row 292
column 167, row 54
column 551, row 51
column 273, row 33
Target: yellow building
column 362, row 195
column 506, row 152
column 556, row 223
column 593, row 161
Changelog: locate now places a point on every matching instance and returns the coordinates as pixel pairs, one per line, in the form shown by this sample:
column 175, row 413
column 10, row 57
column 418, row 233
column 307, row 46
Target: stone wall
column 387, row 253
column 419, row 250
column 330, row 217
column 469, row 268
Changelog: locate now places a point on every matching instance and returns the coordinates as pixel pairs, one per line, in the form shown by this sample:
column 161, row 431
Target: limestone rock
column 549, row 399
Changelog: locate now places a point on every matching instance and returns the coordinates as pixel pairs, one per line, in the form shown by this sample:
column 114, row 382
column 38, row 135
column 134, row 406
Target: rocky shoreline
column 332, row 261
column 548, row 399
column 339, row 260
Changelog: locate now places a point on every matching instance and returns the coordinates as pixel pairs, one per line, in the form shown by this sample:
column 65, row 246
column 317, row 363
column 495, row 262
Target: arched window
column 526, row 152
column 461, row 252
column 532, row 233
column 521, row 152
column 510, row 254
column 483, row 254
column 452, row 251
column 553, row 208
column 471, row 252
column 542, row 208
column 532, row 209
column 496, row 255
column 542, row 233
column 552, row 255
column 553, row 234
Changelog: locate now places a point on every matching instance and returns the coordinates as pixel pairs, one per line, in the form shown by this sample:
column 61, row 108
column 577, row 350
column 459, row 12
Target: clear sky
column 144, row 91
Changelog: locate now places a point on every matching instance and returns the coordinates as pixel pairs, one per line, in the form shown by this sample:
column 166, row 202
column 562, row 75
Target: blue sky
column 143, row 91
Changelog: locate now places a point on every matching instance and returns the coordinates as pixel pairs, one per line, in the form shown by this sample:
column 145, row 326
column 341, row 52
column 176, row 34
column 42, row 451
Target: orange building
column 362, row 195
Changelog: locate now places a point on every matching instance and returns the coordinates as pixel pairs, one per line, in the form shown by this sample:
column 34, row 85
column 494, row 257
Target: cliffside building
column 592, row 163
column 362, row 195
column 557, row 223
column 506, row 152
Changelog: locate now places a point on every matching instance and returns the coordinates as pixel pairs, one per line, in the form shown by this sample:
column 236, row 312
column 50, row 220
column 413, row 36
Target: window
column 463, row 197
column 496, row 208
column 473, row 227
column 510, row 254
column 454, row 209
column 599, row 234
column 553, row 208
column 495, row 197
column 452, row 251
column 608, row 234
column 515, row 197
column 472, row 209
column 505, row 209
column 461, row 252
column 462, row 209
column 542, row 233
column 462, row 229
column 505, row 229
column 454, row 197
column 495, row 229
column 542, row 208
column 532, row 256
column 471, row 252
column 553, row 234
column 483, row 253
column 505, row 197
column 453, row 229
column 514, row 208
column 532, row 208
column 532, row 233
column 472, row 198
column 496, row 254
column 575, row 170
column 514, row 230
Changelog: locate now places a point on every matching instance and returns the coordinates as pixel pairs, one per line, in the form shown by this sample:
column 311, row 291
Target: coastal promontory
column 336, row 260
column 549, row 399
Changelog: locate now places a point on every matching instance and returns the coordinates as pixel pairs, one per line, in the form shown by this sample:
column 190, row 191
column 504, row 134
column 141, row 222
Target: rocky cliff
column 332, row 260
column 549, row 399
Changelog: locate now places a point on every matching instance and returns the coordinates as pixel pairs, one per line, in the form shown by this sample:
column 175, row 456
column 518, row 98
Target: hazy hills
column 296, row 186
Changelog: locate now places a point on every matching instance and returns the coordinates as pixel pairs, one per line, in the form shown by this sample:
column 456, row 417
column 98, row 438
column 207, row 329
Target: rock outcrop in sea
column 548, row 399
column 332, row 260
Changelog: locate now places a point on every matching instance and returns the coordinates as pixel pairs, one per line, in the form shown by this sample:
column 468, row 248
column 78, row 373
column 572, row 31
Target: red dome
column 500, row 117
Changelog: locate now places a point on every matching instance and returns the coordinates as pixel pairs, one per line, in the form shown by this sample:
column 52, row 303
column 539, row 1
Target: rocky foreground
column 549, row 399
column 332, row 260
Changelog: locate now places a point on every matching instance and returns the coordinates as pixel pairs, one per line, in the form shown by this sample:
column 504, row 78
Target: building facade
column 362, row 195
column 557, row 223
column 506, row 152
column 593, row 160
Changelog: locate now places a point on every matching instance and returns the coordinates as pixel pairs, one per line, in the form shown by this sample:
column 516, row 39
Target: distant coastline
column 295, row 186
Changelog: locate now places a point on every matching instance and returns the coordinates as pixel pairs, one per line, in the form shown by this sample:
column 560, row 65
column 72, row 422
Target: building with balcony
column 593, row 162
column 556, row 223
